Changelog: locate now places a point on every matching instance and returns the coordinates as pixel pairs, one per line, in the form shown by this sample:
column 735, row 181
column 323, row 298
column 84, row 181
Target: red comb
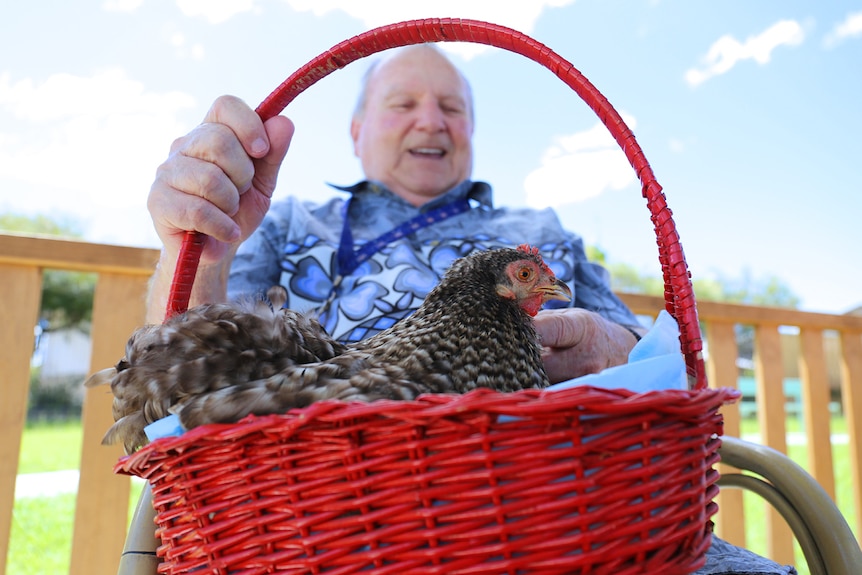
column 528, row 249
column 532, row 250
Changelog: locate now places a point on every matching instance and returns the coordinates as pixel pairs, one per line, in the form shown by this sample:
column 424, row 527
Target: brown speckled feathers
column 221, row 362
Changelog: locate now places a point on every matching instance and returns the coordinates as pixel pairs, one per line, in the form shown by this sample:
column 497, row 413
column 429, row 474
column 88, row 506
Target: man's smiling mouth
column 428, row 152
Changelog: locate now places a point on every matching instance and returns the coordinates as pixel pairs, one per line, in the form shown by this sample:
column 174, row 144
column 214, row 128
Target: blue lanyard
column 350, row 259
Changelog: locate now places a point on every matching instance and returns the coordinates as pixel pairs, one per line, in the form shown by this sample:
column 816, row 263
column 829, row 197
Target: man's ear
column 355, row 127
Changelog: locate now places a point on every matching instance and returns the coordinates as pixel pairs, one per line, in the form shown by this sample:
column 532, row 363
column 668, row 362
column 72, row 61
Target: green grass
column 51, row 447
column 41, row 536
column 42, row 527
column 41, row 539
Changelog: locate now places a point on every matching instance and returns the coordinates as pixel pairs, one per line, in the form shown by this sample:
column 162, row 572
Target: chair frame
column 826, row 539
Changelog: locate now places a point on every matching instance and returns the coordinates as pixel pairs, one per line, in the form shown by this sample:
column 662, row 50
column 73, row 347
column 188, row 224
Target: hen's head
column 519, row 275
column 529, row 281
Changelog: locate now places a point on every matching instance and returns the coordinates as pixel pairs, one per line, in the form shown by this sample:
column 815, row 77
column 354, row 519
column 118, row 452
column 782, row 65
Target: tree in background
column 747, row 289
column 67, row 296
column 769, row 291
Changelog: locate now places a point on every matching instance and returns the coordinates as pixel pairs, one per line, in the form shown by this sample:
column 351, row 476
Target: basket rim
column 583, row 400
column 551, row 412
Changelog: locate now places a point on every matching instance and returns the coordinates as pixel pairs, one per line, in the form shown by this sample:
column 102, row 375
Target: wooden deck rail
column 102, row 499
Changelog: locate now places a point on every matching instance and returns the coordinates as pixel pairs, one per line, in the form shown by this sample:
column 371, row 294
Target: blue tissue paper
column 655, row 363
column 165, row 427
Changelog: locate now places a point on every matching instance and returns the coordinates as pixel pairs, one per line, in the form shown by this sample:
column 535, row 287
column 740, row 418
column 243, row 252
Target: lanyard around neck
column 350, row 259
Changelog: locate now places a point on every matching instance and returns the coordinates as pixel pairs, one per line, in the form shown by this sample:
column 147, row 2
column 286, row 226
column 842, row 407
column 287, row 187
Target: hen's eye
column 525, row 273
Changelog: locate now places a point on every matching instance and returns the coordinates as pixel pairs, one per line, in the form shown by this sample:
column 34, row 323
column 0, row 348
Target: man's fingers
column 174, row 212
column 280, row 132
column 560, row 327
column 232, row 112
column 192, row 176
column 214, row 146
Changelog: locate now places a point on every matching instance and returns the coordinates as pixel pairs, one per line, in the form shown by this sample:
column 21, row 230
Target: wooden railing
column 102, row 498
column 118, row 308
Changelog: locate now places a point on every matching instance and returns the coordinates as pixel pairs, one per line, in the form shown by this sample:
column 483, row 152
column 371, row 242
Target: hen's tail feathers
column 102, row 377
column 129, row 430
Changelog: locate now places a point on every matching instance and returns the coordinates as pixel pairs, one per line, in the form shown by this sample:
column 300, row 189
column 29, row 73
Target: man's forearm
column 210, row 286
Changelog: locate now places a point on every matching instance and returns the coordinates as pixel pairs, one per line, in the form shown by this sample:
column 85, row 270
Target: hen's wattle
column 221, row 362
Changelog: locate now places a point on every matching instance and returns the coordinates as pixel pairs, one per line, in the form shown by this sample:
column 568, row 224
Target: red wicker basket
column 583, row 480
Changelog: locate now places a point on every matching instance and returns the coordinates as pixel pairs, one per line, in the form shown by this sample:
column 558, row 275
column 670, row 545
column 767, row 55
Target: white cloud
column 578, row 167
column 851, row 27
column 215, row 11
column 727, row 51
column 107, row 94
column 183, row 50
column 88, row 146
column 521, row 15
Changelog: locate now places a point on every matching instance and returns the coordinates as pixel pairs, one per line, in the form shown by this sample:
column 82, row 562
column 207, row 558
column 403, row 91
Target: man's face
column 414, row 134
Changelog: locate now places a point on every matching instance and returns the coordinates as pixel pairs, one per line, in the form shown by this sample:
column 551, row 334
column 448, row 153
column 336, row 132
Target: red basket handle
column 679, row 295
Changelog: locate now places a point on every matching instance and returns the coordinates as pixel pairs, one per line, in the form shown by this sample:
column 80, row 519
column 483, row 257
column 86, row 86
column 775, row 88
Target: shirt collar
column 479, row 191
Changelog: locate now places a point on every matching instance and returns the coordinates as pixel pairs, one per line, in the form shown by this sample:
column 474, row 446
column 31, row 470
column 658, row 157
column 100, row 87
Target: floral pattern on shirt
column 383, row 289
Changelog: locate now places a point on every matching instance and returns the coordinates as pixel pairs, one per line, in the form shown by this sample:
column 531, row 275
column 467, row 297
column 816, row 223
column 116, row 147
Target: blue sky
column 749, row 113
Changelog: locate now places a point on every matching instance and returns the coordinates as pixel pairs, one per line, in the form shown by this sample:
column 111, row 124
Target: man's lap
column 722, row 558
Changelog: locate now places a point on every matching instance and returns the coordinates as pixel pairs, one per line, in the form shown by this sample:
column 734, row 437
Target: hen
column 221, row 362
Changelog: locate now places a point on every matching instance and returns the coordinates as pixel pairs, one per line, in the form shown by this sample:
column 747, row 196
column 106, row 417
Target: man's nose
column 430, row 117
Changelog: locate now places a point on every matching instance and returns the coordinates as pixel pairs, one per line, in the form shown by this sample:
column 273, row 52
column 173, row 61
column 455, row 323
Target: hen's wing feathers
column 208, row 348
column 352, row 376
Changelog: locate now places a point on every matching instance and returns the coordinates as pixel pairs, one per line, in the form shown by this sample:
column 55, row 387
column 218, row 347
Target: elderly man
column 365, row 262
column 412, row 131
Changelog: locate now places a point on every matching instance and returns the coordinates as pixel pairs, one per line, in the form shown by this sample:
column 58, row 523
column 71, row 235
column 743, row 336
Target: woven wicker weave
column 582, row 480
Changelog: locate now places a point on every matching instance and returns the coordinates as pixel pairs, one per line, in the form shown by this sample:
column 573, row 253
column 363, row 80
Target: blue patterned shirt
column 297, row 244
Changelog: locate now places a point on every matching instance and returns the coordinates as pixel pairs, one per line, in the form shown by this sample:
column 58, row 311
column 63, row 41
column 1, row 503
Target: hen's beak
column 557, row 290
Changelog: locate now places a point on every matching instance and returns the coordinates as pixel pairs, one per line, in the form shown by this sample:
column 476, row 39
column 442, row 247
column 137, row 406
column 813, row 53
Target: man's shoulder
column 525, row 215
column 291, row 208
